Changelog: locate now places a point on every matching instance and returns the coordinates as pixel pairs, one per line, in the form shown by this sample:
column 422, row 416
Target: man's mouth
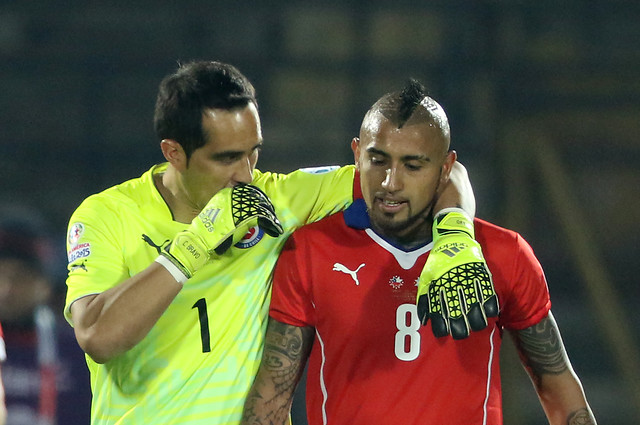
column 390, row 205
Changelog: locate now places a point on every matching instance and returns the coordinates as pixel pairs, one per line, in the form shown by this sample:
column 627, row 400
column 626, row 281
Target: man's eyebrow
column 404, row 158
column 377, row 152
column 416, row 158
column 233, row 154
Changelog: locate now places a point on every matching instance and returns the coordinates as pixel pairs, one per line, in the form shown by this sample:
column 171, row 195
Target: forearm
column 112, row 322
column 286, row 350
column 457, row 192
column 563, row 400
column 544, row 357
column 266, row 405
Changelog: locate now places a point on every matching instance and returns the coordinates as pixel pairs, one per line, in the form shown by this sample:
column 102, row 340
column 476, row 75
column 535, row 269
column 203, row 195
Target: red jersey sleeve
column 291, row 302
column 527, row 302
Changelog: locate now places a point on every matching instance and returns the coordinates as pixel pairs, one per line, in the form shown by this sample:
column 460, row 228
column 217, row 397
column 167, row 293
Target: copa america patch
column 82, row 250
column 252, row 237
column 75, row 232
column 77, row 250
column 320, row 170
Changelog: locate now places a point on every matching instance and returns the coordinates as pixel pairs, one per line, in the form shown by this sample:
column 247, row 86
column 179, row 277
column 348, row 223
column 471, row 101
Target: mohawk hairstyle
column 412, row 103
column 399, row 106
column 410, row 97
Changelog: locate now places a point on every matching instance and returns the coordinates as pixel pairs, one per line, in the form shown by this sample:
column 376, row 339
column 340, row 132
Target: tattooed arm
column 543, row 355
column 285, row 354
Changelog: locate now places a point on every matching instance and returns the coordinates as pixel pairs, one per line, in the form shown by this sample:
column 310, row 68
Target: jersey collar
column 357, row 217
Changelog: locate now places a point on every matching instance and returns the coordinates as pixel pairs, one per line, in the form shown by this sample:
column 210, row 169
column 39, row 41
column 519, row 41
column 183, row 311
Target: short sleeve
column 291, row 302
column 310, row 194
column 528, row 300
column 95, row 255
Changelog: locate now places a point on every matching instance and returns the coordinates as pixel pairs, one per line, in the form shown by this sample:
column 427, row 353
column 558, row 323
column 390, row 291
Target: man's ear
column 174, row 154
column 355, row 147
column 452, row 157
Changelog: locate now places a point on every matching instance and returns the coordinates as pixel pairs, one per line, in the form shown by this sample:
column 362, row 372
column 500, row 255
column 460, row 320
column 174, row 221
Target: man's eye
column 413, row 167
column 227, row 160
column 376, row 161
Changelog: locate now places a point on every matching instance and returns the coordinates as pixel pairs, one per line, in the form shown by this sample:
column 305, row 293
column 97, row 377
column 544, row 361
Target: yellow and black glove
column 455, row 289
column 223, row 222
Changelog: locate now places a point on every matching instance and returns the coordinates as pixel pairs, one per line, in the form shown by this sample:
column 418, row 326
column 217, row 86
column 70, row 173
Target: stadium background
column 543, row 99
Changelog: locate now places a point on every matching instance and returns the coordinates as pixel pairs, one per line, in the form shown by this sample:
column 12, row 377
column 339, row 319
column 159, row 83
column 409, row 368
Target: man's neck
column 407, row 240
column 171, row 190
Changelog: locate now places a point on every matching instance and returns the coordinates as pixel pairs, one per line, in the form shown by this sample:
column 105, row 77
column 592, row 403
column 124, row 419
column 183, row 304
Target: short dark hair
column 196, row 86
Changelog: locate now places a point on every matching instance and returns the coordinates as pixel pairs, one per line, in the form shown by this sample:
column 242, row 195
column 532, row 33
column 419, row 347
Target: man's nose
column 393, row 180
column 244, row 171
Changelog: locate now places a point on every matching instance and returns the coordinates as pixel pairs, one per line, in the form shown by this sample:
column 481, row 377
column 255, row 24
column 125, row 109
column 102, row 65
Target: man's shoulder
column 497, row 239
column 489, row 226
column 130, row 193
column 493, row 232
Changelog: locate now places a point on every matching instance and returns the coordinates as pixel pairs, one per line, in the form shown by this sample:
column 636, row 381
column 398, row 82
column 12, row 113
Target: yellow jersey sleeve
column 94, row 254
column 115, row 234
column 308, row 194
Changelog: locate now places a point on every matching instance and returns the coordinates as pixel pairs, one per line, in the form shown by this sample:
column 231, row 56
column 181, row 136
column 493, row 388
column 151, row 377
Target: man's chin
column 396, row 224
column 390, row 224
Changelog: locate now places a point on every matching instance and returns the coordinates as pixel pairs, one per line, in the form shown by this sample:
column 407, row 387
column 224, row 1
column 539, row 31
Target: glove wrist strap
column 446, row 211
column 175, row 271
column 453, row 222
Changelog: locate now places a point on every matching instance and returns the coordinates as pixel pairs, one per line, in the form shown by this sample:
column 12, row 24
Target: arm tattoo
column 285, row 353
column 581, row 417
column 542, row 353
column 541, row 349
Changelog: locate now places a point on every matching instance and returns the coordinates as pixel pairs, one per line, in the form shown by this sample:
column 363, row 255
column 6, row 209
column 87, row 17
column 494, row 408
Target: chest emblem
column 396, row 282
column 252, row 237
column 337, row 267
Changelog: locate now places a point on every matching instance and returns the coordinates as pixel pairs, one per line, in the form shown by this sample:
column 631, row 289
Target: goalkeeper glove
column 455, row 289
column 223, row 222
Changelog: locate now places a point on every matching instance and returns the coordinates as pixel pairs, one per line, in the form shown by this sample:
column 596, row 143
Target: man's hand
column 455, row 289
column 222, row 222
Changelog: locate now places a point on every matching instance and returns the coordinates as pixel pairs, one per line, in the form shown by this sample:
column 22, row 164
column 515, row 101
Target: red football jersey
column 372, row 362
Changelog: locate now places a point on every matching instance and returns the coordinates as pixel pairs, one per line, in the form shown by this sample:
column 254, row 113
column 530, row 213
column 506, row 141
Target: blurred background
column 543, row 100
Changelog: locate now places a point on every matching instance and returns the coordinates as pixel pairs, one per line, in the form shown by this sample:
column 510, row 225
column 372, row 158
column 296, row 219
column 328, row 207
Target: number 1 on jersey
column 201, row 304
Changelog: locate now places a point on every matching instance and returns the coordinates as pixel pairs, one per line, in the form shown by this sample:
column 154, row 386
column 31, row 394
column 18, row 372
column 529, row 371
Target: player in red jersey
column 344, row 297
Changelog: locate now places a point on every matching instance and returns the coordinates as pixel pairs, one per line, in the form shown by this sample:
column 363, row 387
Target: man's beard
column 399, row 228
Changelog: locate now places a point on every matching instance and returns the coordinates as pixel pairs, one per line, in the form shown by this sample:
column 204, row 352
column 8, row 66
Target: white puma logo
column 337, row 267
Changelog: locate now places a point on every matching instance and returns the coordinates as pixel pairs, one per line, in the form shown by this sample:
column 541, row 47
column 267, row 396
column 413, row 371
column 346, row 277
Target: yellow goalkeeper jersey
column 197, row 363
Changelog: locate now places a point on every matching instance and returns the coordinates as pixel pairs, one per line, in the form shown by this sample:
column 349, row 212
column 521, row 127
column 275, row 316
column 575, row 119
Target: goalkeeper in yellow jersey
column 169, row 273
